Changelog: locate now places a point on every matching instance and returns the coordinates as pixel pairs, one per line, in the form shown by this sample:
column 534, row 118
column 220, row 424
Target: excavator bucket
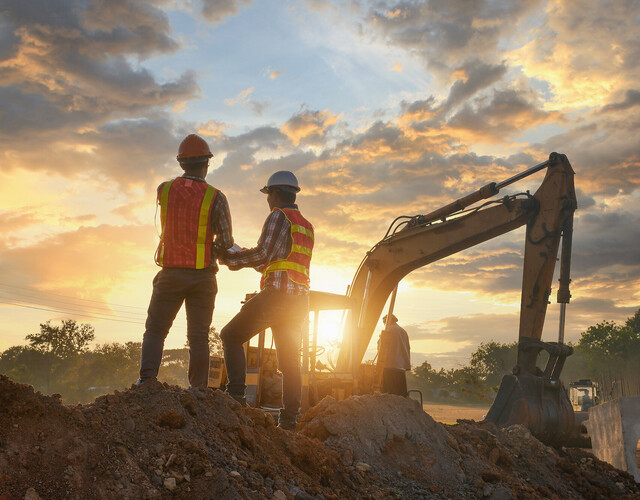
column 538, row 401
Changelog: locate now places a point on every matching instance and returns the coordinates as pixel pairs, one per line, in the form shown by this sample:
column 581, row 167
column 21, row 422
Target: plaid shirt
column 220, row 222
column 274, row 244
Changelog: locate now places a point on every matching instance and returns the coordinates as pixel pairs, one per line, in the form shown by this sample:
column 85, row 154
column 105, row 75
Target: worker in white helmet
column 283, row 256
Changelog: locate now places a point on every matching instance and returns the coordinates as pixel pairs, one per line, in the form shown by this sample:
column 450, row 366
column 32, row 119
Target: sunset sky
column 380, row 108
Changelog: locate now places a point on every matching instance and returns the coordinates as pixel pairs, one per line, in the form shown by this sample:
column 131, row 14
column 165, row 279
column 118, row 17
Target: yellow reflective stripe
column 283, row 265
column 202, row 226
column 164, row 202
column 295, row 228
column 301, row 249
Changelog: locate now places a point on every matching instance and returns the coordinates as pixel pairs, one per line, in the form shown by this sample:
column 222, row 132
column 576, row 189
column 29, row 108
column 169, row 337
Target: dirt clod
column 158, row 441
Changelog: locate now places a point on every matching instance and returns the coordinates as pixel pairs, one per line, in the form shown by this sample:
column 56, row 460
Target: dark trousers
column 394, row 381
column 285, row 315
column 171, row 287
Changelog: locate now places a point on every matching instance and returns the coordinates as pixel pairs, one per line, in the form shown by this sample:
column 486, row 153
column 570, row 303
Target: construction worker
column 394, row 357
column 283, row 256
column 196, row 228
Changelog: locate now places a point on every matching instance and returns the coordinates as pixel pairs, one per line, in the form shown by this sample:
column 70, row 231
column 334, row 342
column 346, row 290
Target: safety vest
column 299, row 259
column 185, row 212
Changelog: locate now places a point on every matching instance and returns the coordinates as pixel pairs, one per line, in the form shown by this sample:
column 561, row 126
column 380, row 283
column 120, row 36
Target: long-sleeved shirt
column 395, row 341
column 221, row 229
column 274, row 244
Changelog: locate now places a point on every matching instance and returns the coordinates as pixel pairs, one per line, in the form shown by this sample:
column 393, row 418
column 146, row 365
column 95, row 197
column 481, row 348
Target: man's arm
column 221, row 223
column 274, row 232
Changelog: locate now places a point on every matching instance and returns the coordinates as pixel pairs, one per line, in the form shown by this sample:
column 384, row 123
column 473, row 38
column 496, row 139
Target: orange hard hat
column 193, row 146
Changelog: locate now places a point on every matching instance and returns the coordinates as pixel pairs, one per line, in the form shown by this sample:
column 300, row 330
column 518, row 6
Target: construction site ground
column 450, row 414
column 158, row 441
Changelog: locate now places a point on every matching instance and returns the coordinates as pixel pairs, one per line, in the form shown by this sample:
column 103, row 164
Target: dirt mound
column 159, row 441
column 419, row 457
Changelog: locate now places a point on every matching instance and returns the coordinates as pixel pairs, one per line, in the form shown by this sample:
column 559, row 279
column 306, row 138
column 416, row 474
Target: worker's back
column 395, row 343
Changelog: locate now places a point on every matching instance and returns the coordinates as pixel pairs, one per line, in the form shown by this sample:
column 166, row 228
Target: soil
column 159, row 441
column 450, row 414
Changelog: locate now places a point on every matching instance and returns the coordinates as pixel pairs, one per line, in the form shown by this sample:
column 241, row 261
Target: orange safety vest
column 185, row 212
column 299, row 259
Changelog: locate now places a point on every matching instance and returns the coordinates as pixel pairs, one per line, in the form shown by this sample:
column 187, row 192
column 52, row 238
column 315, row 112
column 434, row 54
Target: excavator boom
column 424, row 239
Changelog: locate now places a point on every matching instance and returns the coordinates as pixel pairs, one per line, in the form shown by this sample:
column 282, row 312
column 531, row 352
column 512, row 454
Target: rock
column 170, row 483
column 31, row 494
column 235, row 474
column 299, row 494
column 130, row 425
column 363, row 467
column 501, row 493
column 171, row 459
column 279, row 495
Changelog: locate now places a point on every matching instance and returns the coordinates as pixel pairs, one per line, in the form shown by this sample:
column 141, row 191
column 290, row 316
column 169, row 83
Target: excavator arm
column 420, row 240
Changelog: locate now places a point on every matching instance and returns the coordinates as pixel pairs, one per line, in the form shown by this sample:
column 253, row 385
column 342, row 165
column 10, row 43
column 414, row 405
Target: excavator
column 531, row 396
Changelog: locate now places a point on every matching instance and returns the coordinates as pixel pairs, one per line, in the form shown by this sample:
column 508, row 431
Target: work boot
column 240, row 399
column 287, row 424
column 142, row 381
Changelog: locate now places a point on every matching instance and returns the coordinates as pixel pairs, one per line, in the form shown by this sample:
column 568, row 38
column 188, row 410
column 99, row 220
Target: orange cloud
column 241, row 98
column 309, row 126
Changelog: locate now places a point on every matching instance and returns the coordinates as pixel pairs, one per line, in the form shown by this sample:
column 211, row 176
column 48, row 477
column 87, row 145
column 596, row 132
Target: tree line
column 605, row 349
column 58, row 359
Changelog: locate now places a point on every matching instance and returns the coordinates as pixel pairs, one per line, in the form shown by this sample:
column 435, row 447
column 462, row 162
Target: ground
column 159, row 441
column 450, row 414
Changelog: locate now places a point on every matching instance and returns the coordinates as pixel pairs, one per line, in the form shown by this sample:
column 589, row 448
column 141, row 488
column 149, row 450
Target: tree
column 215, row 342
column 634, row 322
column 491, row 360
column 609, row 347
column 60, row 343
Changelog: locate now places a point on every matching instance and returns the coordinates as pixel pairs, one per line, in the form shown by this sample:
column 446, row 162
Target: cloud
column 475, row 76
column 67, row 71
column 125, row 153
column 213, row 128
column 505, row 113
column 215, row 11
column 632, row 98
column 80, row 263
column 241, row 98
column 258, row 107
column 602, row 246
column 446, row 33
column 585, row 51
column 604, row 153
column 309, row 127
column 472, row 328
column 12, row 221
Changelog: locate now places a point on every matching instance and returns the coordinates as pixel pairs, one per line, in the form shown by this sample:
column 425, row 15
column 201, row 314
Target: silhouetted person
column 394, row 357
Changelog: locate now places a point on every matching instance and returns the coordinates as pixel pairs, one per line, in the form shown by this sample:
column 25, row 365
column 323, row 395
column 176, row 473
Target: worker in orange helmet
column 283, row 256
column 196, row 228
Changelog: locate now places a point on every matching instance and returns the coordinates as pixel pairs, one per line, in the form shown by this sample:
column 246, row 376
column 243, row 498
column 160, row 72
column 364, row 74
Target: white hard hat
column 284, row 180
